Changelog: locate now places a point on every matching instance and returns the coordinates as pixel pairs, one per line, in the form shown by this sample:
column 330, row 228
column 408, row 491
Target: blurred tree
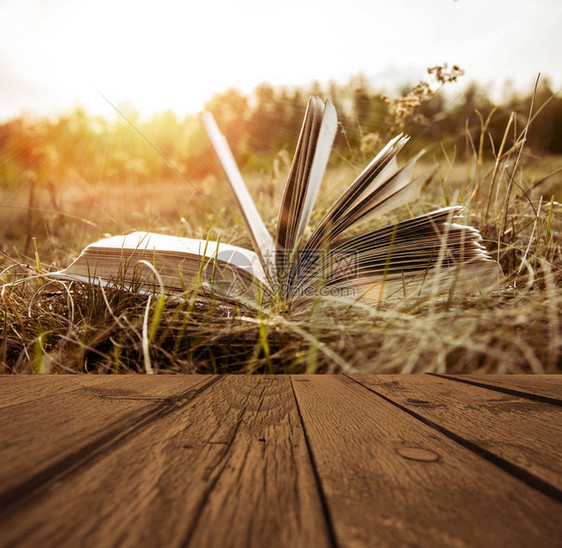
column 77, row 147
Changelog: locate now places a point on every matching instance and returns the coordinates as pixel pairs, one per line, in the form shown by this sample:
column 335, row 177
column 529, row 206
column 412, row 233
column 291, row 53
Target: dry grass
column 48, row 327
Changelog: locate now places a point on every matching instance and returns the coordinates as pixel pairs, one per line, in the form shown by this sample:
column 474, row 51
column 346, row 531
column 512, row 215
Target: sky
column 159, row 55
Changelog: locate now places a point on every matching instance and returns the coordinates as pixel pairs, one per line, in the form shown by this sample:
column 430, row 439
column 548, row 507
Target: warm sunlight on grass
column 69, row 181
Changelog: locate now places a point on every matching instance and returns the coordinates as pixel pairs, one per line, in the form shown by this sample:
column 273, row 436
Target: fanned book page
column 261, row 239
column 427, row 256
column 305, row 176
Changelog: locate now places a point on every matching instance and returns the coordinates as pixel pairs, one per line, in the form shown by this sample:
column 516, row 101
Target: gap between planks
column 390, row 478
column 533, row 390
column 507, row 462
column 126, row 426
column 342, row 509
column 241, row 442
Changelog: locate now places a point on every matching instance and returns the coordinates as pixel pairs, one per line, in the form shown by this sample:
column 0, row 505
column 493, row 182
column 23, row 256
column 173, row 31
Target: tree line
column 264, row 125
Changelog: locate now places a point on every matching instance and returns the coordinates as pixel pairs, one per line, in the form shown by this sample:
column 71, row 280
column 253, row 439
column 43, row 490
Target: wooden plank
column 41, row 433
column 229, row 468
column 524, row 432
column 545, row 386
column 390, row 479
column 16, row 389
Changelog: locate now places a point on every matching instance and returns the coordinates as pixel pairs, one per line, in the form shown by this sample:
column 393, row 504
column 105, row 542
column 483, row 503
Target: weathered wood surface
column 541, row 386
column 361, row 460
column 515, row 429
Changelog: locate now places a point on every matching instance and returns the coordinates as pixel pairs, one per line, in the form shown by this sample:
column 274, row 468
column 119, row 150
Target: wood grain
column 480, row 416
column 16, row 389
column 547, row 386
column 44, row 433
column 278, row 461
column 388, row 476
column 228, row 468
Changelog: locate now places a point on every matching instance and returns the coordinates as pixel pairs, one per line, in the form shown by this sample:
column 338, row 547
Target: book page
column 307, row 169
column 287, row 203
column 323, row 148
column 380, row 165
column 429, row 254
column 261, row 239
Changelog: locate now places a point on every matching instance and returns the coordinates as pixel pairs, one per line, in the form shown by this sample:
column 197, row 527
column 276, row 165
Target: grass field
column 45, row 327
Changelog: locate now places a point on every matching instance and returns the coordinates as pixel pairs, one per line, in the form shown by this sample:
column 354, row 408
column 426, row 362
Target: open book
column 426, row 256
